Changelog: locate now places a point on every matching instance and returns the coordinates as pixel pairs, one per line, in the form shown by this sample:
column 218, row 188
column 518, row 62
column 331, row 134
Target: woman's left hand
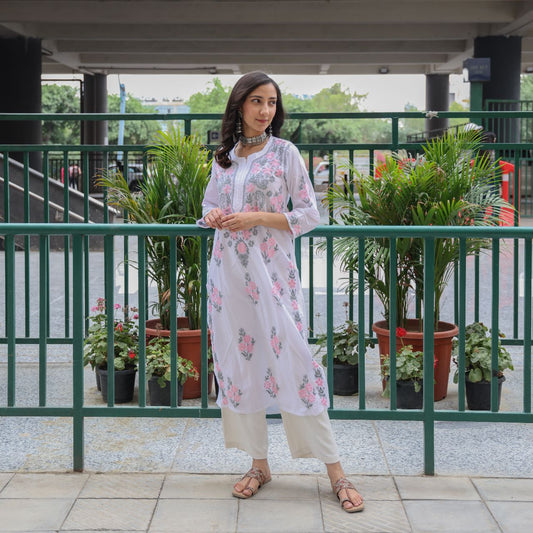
column 240, row 221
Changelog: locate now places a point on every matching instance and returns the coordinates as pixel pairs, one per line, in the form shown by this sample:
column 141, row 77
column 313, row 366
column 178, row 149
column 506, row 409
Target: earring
column 269, row 129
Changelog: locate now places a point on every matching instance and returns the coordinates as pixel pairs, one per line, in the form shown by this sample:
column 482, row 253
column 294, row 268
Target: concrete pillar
column 505, row 57
column 20, row 92
column 94, row 132
column 437, row 99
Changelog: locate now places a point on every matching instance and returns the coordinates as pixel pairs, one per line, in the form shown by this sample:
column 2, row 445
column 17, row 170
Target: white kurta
column 256, row 311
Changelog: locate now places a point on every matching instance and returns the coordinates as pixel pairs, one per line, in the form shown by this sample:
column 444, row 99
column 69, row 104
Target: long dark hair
column 244, row 86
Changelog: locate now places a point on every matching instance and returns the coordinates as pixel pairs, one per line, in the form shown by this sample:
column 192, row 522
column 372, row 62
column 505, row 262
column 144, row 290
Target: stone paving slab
column 505, row 489
column 195, row 516
column 37, row 486
column 436, row 488
column 106, row 513
column 198, row 503
column 289, row 516
column 123, row 486
column 33, row 515
column 512, row 516
column 436, row 516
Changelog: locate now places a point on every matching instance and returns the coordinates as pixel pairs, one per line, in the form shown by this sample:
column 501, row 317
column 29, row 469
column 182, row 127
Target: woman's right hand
column 214, row 218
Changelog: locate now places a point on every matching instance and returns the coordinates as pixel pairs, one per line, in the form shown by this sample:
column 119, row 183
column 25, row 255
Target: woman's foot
column 351, row 500
column 253, row 480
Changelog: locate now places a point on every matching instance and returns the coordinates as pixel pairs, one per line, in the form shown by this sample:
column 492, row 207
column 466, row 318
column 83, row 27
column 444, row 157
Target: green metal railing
column 78, row 411
column 78, row 290
column 337, row 153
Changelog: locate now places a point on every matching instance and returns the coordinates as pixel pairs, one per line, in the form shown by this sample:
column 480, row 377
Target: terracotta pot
column 442, row 348
column 189, row 347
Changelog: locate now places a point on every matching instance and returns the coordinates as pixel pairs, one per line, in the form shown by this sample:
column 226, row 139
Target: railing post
column 77, row 355
column 429, row 313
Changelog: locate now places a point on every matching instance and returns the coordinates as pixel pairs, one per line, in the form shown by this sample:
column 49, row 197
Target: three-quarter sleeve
column 210, row 200
column 304, row 215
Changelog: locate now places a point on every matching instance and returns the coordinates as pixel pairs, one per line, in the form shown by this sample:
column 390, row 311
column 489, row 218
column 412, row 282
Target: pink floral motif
column 303, row 194
column 252, row 290
column 233, row 393
column 271, row 385
column 242, row 248
column 275, row 342
column 217, row 252
column 268, row 248
column 246, row 344
column 277, row 202
column 214, row 297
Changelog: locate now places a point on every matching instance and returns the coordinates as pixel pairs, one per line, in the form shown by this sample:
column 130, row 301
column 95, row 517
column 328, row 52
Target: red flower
column 131, row 354
column 401, row 332
column 119, row 327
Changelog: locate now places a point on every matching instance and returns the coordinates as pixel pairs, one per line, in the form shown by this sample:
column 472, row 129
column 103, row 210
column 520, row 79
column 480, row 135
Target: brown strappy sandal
column 253, row 473
column 343, row 483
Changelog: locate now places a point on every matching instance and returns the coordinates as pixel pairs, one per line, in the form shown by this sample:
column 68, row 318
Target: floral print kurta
column 256, row 311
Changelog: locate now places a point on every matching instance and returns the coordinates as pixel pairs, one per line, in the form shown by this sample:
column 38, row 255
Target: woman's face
column 258, row 110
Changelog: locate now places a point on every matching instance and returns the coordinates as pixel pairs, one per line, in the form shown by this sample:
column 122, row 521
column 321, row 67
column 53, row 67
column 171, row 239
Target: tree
column 139, row 132
column 526, row 87
column 212, row 100
column 60, row 99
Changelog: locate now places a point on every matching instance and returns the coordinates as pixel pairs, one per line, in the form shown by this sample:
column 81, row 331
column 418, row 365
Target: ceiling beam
column 260, row 46
column 248, row 11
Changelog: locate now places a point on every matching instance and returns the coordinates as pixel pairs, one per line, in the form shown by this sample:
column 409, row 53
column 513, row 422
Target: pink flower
column 319, row 382
column 242, row 248
column 117, row 306
column 324, row 401
column 136, row 316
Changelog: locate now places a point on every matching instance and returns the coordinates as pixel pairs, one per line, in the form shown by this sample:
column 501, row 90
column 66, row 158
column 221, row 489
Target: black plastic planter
column 478, row 394
column 407, row 397
column 124, row 384
column 161, row 395
column 345, row 379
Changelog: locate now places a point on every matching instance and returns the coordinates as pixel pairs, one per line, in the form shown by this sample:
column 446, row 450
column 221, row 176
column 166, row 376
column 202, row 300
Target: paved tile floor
column 198, row 503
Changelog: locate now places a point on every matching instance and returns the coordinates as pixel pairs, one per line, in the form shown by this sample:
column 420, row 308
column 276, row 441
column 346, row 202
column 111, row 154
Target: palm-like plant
column 171, row 193
column 448, row 185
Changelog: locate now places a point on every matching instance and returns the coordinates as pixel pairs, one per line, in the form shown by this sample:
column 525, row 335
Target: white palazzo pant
column 307, row 436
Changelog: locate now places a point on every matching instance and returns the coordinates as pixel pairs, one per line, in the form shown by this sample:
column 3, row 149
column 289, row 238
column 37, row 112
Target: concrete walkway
column 193, row 503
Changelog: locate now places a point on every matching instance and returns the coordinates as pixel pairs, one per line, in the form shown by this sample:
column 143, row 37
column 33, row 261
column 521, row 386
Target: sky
column 385, row 92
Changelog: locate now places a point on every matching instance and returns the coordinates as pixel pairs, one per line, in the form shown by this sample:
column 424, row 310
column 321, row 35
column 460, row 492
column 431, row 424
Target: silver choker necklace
column 254, row 141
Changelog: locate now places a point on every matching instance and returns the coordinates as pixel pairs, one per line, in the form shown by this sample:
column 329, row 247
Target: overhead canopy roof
column 278, row 36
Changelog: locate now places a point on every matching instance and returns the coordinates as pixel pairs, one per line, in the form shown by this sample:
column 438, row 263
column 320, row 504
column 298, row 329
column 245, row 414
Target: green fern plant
column 171, row 193
column 447, row 185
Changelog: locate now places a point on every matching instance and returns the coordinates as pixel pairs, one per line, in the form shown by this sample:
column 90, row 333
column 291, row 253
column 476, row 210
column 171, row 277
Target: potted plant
column 447, row 185
column 171, row 193
column 478, row 365
column 125, row 342
column 409, row 377
column 345, row 357
column 158, row 370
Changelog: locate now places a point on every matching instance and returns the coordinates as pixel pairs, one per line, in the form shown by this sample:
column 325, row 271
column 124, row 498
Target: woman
column 256, row 306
